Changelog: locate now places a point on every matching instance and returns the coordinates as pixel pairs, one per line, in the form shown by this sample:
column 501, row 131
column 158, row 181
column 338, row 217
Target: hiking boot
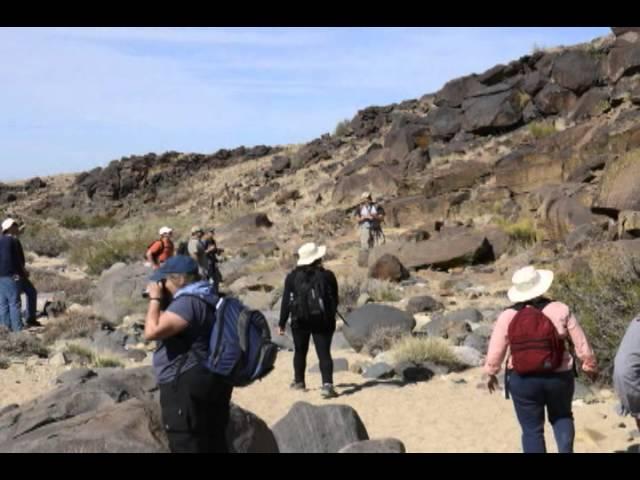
column 33, row 324
column 298, row 386
column 328, row 391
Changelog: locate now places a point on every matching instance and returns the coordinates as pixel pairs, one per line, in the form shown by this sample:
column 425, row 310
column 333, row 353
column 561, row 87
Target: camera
column 145, row 294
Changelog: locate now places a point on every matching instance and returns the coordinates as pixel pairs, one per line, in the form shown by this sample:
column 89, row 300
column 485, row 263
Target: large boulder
column 376, row 179
column 388, row 267
column 619, row 31
column 619, row 186
column 369, row 121
column 119, row 290
column 363, row 322
column 629, row 223
column 559, row 215
column 444, row 122
column 248, row 223
column 109, row 411
column 416, row 209
column 554, row 99
column 310, row 429
column 592, row 103
column 382, row 445
column 466, row 248
column 423, row 303
column 369, row 158
column 403, row 139
column 623, row 60
column 456, row 176
column 533, row 82
column 576, row 70
column 455, row 91
column 455, row 326
column 492, row 113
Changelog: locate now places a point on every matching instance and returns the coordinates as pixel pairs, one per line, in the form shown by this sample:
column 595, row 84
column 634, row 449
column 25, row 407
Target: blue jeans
column 531, row 394
column 10, row 304
column 29, row 290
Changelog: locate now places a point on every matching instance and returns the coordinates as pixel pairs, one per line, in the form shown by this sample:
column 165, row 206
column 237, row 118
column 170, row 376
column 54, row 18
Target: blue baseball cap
column 176, row 264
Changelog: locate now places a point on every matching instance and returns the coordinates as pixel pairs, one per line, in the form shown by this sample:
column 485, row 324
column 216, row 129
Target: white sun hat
column 165, row 230
column 309, row 253
column 529, row 283
column 8, row 223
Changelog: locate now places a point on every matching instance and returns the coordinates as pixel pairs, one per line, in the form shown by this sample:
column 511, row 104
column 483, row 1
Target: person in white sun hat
column 311, row 299
column 540, row 370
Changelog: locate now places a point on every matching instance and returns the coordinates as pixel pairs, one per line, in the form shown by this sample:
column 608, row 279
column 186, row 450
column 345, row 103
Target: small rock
column 358, row 366
column 58, row 360
column 459, row 381
column 378, row 370
column 363, row 299
column 622, row 425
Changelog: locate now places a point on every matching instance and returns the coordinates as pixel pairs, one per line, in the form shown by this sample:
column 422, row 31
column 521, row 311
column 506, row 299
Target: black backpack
column 311, row 302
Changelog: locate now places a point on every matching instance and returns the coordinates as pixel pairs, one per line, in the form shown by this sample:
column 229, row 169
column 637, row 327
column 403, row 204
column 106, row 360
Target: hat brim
column 540, row 288
column 309, row 260
column 157, row 276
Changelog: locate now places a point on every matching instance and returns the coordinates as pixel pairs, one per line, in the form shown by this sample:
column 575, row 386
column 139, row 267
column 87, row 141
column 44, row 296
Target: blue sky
column 75, row 98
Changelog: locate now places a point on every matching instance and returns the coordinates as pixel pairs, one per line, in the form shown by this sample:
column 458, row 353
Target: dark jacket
column 331, row 286
column 12, row 260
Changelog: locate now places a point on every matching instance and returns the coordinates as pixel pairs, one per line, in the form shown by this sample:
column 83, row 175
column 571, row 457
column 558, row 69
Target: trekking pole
column 343, row 319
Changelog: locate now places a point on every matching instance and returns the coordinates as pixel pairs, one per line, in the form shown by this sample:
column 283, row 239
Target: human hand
column 492, row 384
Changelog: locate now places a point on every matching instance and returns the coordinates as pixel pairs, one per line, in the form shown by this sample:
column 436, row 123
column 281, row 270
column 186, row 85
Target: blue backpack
column 240, row 346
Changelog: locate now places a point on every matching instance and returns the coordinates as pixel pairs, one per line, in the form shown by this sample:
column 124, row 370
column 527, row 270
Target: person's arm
column 497, row 348
column 284, row 305
column 581, row 344
column 160, row 325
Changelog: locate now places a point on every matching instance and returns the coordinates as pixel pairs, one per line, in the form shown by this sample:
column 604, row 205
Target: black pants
column 322, row 342
column 195, row 412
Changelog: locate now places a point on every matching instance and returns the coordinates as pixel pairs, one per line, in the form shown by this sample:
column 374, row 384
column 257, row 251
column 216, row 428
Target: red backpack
column 535, row 344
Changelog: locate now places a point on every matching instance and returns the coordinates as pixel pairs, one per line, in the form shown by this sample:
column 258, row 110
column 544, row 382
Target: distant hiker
column 311, row 298
column 370, row 216
column 162, row 249
column 194, row 401
column 540, row 370
column 10, row 271
column 212, row 251
column 10, row 228
column 626, row 371
column 196, row 250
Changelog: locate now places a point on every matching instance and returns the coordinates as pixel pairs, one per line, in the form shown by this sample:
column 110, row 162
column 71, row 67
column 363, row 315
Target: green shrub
column 44, row 239
column 541, row 129
column 604, row 305
column 421, row 349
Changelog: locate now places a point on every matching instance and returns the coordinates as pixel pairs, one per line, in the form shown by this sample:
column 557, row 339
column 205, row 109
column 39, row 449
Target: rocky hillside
column 536, row 161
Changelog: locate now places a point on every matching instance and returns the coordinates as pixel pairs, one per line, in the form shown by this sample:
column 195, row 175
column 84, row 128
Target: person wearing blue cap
column 195, row 402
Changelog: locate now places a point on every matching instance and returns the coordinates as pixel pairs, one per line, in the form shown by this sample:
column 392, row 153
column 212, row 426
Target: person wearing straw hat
column 550, row 383
column 196, row 250
column 369, row 216
column 310, row 297
column 10, row 271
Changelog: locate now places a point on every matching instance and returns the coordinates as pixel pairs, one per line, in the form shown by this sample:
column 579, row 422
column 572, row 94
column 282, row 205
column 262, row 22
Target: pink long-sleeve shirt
column 566, row 325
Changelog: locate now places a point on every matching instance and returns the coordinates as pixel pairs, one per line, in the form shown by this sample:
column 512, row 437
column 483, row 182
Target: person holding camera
column 195, row 402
